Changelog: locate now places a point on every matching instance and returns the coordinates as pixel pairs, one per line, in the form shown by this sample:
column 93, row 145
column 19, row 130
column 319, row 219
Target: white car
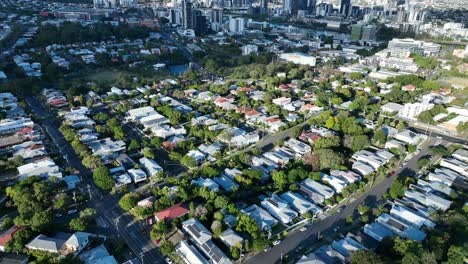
column 72, row 211
column 277, row 242
column 303, row 229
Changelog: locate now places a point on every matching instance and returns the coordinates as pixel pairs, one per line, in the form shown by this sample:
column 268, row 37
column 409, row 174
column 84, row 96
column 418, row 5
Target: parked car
column 391, row 174
column 277, row 242
column 267, row 249
column 303, row 229
column 341, row 208
column 72, row 211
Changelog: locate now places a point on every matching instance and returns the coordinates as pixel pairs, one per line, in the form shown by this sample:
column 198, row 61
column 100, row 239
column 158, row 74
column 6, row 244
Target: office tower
column 199, row 22
column 236, row 25
column 287, row 6
column 128, row 3
column 311, row 7
column 356, row 32
column 264, row 6
column 369, row 33
column 345, row 7
column 217, row 16
column 176, row 17
column 187, row 20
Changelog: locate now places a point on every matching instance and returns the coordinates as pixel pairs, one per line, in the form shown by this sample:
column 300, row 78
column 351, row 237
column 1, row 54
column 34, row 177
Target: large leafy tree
column 103, row 178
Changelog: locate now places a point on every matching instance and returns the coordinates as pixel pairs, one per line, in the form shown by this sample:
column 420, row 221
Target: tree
column 41, row 221
column 279, row 179
column 247, row 224
column 159, row 230
column 379, row 137
column 456, row 255
column 188, row 161
column 405, row 246
column 91, row 162
column 103, row 179
column 329, row 159
column 217, row 227
column 439, row 150
column 221, row 202
column 129, row 201
column 365, row 257
column 327, row 142
column 362, row 209
column 360, row 142
column 7, row 223
column 18, row 241
column 397, row 189
column 166, row 247
column 134, row 145
column 88, row 213
column 78, row 224
column 148, row 153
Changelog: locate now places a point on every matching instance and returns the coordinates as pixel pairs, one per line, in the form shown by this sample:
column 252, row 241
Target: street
column 325, row 226
column 106, row 205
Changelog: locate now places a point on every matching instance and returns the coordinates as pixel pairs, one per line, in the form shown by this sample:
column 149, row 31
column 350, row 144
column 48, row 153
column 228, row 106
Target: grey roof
column 51, row 244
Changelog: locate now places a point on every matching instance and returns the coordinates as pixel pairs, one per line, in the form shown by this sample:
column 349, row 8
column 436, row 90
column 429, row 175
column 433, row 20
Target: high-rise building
column 356, row 32
column 176, row 17
column 187, row 20
column 312, row 7
column 236, row 25
column 345, row 7
column 199, row 22
column 369, row 33
column 217, row 16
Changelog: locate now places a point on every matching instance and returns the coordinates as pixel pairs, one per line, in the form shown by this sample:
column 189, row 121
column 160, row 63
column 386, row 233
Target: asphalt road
column 327, row 225
column 106, row 205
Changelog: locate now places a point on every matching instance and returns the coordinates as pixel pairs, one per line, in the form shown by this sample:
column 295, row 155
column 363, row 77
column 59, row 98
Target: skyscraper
column 345, row 7
column 187, row 20
column 311, row 7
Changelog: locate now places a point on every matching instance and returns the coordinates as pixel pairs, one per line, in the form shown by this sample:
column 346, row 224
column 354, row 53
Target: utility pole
column 74, row 198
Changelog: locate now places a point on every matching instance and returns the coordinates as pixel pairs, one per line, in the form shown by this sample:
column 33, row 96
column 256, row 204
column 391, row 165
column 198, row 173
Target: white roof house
column 362, row 168
column 444, row 176
column 410, row 216
column 43, row 168
column 13, row 125
column 77, row 242
column 206, row 183
column 196, row 230
column 231, row 238
column 375, row 160
column 348, row 176
column 400, row 228
column 410, row 137
column 226, row 183
column 461, row 154
column 377, row 231
column 347, row 246
column 197, row 155
column 317, row 192
column 300, row 204
column 263, row 219
column 337, row 183
column 138, row 175
column 151, row 167
column 297, row 146
column 279, row 209
column 106, row 147
column 189, row 254
column 455, row 165
column 428, row 198
column 391, row 107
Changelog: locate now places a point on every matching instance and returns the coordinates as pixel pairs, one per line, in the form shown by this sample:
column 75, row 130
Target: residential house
column 347, row 246
column 151, row 167
column 427, row 198
column 138, row 175
column 316, row 192
column 198, row 156
column 172, row 212
column 377, row 231
column 279, row 209
column 48, row 244
column 391, row 108
column 263, row 219
column 461, row 154
column 206, row 183
column 409, row 137
column 443, row 176
column 97, row 255
column 455, row 165
column 226, row 183
column 106, row 148
column 43, row 168
column 400, row 228
column 76, row 243
column 231, row 238
column 300, row 204
column 189, row 254
column 297, row 146
column 197, row 231
column 410, row 216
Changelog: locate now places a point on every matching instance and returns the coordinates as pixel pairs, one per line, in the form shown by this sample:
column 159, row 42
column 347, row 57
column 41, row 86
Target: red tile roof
column 172, row 212
column 8, row 234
